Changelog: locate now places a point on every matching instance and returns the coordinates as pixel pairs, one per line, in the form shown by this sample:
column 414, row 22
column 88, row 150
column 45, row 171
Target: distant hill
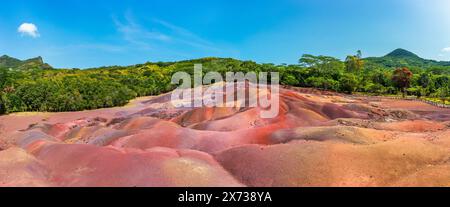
column 397, row 58
column 402, row 57
column 14, row 63
column 401, row 53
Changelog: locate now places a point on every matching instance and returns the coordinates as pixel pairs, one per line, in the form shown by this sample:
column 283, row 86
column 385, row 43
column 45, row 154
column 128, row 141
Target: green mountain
column 405, row 58
column 394, row 59
column 402, row 53
column 9, row 62
column 14, row 63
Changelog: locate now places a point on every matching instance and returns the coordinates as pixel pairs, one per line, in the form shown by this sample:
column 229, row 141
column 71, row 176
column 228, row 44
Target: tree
column 354, row 63
column 442, row 93
column 290, row 80
column 379, row 76
column 441, row 81
column 323, row 66
column 418, row 91
column 424, row 80
column 348, row 83
column 2, row 106
column 402, row 79
column 322, row 83
column 359, row 54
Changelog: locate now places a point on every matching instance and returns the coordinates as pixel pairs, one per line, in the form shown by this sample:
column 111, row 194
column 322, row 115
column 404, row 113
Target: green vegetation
column 32, row 85
column 404, row 58
column 402, row 79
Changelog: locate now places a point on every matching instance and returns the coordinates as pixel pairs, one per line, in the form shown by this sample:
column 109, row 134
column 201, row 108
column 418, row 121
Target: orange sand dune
column 318, row 139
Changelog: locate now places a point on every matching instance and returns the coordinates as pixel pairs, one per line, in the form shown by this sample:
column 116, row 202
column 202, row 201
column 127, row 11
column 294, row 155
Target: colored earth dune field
column 318, row 139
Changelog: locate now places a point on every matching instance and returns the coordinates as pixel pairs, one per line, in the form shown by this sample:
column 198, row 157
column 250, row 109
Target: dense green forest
column 32, row 85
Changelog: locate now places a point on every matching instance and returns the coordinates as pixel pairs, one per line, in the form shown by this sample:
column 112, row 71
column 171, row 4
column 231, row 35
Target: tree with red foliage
column 402, row 79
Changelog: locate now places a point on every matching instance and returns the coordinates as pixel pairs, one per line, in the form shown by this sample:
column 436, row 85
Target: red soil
column 318, row 139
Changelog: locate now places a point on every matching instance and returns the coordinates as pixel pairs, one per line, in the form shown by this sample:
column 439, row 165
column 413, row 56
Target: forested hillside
column 404, row 58
column 13, row 63
column 32, row 85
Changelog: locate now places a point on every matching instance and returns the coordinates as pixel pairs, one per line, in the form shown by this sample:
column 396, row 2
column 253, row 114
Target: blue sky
column 81, row 33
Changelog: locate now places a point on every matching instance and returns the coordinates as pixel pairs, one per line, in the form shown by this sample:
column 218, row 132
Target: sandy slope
column 319, row 139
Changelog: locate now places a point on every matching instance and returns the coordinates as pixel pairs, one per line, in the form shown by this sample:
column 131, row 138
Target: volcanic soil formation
column 318, row 139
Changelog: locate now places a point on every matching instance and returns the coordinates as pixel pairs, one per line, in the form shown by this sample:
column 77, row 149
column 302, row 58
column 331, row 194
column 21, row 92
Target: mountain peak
column 38, row 60
column 6, row 61
column 5, row 57
column 10, row 62
column 402, row 53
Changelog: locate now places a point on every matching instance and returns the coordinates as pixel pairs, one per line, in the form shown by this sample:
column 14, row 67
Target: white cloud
column 447, row 49
column 136, row 34
column 28, row 29
column 185, row 36
column 157, row 31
